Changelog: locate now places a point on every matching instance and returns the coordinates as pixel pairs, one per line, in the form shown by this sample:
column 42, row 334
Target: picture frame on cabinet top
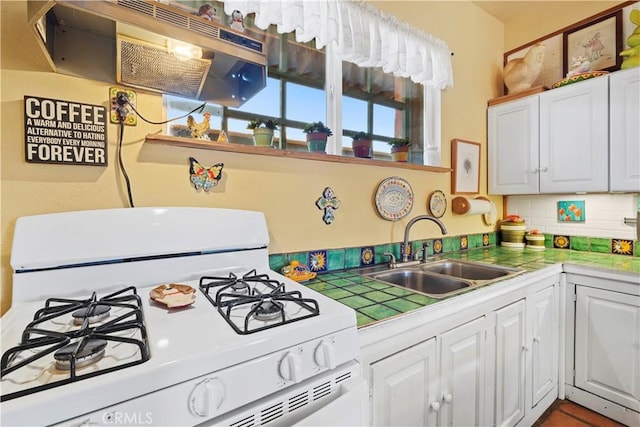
column 465, row 161
column 598, row 41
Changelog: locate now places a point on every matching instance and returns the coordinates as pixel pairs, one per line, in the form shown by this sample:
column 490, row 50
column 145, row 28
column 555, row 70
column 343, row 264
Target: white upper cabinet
column 513, row 147
column 624, row 168
column 574, row 138
column 554, row 142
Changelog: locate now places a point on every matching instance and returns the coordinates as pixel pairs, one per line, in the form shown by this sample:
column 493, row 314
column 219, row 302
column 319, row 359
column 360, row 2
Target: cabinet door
column 607, row 345
column 624, row 108
column 574, row 135
column 405, row 386
column 510, row 364
column 513, row 147
column 462, row 352
column 543, row 342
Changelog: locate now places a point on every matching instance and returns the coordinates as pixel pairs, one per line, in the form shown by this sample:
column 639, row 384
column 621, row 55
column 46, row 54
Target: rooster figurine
column 199, row 130
column 520, row 73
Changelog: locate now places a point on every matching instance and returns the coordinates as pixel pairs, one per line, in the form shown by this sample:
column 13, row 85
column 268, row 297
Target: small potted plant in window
column 362, row 145
column 263, row 131
column 317, row 134
column 400, row 149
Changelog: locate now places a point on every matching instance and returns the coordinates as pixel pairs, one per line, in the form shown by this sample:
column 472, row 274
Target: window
column 303, row 86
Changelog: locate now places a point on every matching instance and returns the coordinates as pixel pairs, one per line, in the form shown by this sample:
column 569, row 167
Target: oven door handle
column 350, row 408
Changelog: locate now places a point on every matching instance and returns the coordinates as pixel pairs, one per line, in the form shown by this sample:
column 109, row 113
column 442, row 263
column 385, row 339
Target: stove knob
column 325, row 355
column 206, row 397
column 291, row 367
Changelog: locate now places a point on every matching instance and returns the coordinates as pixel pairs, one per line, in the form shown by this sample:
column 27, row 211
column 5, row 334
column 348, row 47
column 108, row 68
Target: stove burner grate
column 266, row 305
column 38, row 342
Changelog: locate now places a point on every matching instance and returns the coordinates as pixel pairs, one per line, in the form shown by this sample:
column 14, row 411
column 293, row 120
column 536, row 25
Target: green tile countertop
column 374, row 300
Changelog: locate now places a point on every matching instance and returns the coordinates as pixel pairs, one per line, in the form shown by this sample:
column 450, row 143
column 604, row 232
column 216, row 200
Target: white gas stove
column 83, row 342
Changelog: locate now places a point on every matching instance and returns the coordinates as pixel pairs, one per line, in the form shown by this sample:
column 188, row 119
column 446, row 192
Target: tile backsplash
column 328, row 260
column 604, row 214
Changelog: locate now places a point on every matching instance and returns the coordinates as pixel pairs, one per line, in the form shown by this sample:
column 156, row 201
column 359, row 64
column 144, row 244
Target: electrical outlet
column 116, row 96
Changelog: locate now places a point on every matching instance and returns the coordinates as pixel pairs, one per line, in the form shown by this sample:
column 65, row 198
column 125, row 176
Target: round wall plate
column 394, row 198
column 437, row 203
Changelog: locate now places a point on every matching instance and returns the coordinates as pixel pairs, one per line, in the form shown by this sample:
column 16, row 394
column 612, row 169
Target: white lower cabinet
column 405, row 387
column 542, row 311
column 462, row 371
column 604, row 367
column 526, row 355
column 607, row 353
column 487, row 362
column 510, row 355
column 410, row 390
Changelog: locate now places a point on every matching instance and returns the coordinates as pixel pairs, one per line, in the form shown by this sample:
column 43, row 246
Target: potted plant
column 400, row 149
column 362, row 145
column 317, row 134
column 263, row 131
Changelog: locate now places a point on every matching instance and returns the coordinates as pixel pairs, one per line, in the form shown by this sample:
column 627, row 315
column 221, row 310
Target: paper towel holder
column 479, row 206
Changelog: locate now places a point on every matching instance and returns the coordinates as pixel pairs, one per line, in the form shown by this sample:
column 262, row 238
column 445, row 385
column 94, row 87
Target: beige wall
column 285, row 189
column 539, row 18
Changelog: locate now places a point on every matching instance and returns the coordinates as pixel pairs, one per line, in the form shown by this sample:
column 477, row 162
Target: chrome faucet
column 405, row 247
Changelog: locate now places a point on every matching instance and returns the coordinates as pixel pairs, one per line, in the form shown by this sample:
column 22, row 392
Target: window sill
column 266, row 151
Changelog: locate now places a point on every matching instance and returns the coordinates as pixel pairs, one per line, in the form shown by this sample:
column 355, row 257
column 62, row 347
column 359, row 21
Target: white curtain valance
column 364, row 35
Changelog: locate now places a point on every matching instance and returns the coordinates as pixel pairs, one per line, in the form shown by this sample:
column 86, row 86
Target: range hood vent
column 128, row 42
column 154, row 67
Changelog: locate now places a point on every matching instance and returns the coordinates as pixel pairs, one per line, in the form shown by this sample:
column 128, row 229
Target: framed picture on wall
column 465, row 161
column 598, row 42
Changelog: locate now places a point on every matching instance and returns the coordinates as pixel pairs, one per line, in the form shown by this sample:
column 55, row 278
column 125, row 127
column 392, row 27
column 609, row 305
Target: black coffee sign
column 65, row 132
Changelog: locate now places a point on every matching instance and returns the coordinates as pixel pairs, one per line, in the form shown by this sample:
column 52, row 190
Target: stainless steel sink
column 469, row 270
column 443, row 278
column 431, row 284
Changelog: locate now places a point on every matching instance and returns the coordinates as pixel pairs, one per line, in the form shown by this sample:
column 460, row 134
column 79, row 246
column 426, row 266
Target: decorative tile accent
column 437, row 246
column 464, row 242
column 622, row 247
column 571, row 211
column 318, row 261
column 561, row 242
column 367, row 256
column 485, row 240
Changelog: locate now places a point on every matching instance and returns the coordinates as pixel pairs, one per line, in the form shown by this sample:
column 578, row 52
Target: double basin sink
column 439, row 279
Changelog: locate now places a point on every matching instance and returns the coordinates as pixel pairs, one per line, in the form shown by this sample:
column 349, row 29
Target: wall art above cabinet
column 581, row 137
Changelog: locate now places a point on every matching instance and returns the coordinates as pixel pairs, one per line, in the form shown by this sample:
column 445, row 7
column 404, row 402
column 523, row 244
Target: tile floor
column 568, row 414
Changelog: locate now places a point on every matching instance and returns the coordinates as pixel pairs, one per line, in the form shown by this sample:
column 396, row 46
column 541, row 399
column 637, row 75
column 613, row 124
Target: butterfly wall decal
column 202, row 177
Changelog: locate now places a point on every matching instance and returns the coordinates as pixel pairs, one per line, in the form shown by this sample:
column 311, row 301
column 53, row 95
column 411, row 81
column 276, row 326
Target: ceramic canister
column 535, row 241
column 513, row 234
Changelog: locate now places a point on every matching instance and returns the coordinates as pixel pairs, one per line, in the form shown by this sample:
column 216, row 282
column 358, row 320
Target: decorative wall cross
column 329, row 202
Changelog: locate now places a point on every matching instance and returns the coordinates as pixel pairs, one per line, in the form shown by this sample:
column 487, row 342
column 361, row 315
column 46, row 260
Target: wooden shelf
column 267, row 151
